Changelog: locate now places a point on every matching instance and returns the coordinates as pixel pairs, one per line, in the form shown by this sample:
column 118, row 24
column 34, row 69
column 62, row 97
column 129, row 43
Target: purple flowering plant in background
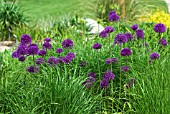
column 140, row 34
column 126, row 52
column 154, row 56
column 97, row 46
column 120, row 39
column 125, row 68
column 67, row 44
column 59, row 50
column 103, row 34
column 113, row 17
column 163, row 42
column 134, row 27
column 159, row 28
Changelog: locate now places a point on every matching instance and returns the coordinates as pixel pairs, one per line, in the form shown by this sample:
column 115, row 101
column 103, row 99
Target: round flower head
column 113, row 16
column 83, row 63
column 103, row 34
column 134, row 27
column 154, row 56
column 92, row 74
column 26, row 39
column 22, row 50
column 67, row 59
column 32, row 69
column 108, row 75
column 52, row 61
column 71, row 55
column 126, row 52
column 162, row 41
column 114, row 60
column 47, row 40
column 129, row 36
column 120, row 38
column 14, row 54
column 87, row 83
column 68, row 43
column 40, row 61
column 59, row 50
column 41, row 52
column 125, row 68
column 32, row 49
column 59, row 59
column 104, row 83
column 140, row 34
column 108, row 61
column 46, row 45
column 109, row 29
column 21, row 58
column 159, row 28
column 97, row 46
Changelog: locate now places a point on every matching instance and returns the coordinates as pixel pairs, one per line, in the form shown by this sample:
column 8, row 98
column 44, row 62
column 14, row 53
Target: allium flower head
column 104, row 83
column 125, row 68
column 52, row 61
column 103, row 34
column 67, row 59
column 41, row 52
column 154, row 56
column 14, row 54
column 109, row 29
column 92, row 74
column 71, row 55
column 108, row 75
column 59, row 50
column 113, row 16
column 97, row 46
column 32, row 49
column 134, row 27
column 26, row 39
column 126, row 52
column 40, row 61
column 120, row 38
column 83, row 63
column 87, row 83
column 129, row 36
column 114, row 60
column 46, row 45
column 68, row 44
column 21, row 58
column 32, row 69
column 22, row 50
column 162, row 41
column 108, row 61
column 140, row 34
column 159, row 28
column 47, row 40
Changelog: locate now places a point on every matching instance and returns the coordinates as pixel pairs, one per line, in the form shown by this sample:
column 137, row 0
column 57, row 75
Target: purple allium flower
column 87, row 83
column 26, row 39
column 109, row 29
column 22, row 50
column 159, row 28
column 125, row 68
column 21, row 58
column 40, row 61
column 14, row 54
column 41, row 52
column 154, row 56
column 59, row 50
column 129, row 36
column 140, row 34
column 46, row 45
column 113, row 16
column 108, row 75
column 32, row 49
column 162, row 41
column 71, row 55
column 68, row 43
column 104, row 83
column 126, row 52
column 120, row 38
column 92, row 74
column 114, row 60
column 32, row 69
column 47, row 40
column 103, row 34
column 108, row 61
column 67, row 59
column 52, row 61
column 83, row 63
column 60, row 59
column 97, row 46
column 134, row 27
